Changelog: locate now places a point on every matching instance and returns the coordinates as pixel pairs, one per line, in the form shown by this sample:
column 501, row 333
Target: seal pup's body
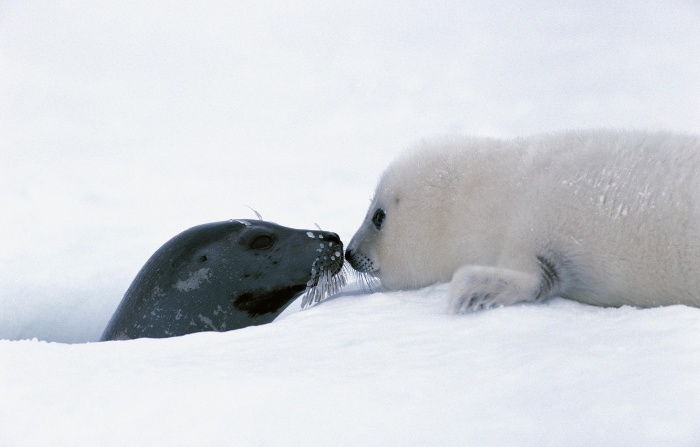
column 222, row 276
column 605, row 218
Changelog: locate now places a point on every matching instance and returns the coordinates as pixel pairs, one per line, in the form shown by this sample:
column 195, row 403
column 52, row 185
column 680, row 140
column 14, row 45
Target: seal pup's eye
column 378, row 218
column 261, row 242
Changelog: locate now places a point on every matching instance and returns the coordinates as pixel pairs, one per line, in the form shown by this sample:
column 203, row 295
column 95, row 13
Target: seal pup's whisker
column 366, row 281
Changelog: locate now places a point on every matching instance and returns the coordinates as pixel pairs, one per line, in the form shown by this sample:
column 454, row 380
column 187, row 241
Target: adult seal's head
column 223, row 276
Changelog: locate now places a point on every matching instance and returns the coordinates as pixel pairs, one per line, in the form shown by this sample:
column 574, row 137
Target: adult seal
column 608, row 218
column 226, row 275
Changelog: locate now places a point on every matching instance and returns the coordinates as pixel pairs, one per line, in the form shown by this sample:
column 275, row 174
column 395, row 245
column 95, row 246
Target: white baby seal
column 608, row 218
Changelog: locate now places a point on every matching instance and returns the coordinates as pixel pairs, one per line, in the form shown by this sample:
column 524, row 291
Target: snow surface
column 377, row 369
column 122, row 124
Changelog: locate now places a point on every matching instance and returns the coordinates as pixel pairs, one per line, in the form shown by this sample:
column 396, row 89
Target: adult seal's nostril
column 223, row 276
column 333, row 237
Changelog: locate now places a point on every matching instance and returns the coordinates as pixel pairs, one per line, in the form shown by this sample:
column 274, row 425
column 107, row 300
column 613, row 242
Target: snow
column 372, row 369
column 124, row 124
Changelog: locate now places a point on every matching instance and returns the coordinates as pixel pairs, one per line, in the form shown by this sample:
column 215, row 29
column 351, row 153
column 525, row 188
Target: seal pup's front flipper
column 475, row 287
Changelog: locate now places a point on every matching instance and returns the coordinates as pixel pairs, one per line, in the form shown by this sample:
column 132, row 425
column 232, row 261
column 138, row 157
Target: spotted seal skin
column 607, row 218
column 222, row 276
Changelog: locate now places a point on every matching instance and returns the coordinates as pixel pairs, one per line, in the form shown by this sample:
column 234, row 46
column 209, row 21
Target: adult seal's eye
column 378, row 218
column 261, row 242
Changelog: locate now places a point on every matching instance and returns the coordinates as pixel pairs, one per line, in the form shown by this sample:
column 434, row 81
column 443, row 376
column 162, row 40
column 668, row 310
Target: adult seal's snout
column 223, row 276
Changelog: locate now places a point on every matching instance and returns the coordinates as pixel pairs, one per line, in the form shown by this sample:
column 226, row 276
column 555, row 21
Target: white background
column 122, row 124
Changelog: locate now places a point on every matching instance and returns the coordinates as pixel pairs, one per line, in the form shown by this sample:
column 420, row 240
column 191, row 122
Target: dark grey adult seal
column 226, row 275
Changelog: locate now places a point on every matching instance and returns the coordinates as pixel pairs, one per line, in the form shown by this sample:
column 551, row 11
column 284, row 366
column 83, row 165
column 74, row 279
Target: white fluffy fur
column 606, row 218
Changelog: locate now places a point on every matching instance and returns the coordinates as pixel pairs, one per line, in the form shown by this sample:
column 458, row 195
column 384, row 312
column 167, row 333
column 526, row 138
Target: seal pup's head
column 431, row 213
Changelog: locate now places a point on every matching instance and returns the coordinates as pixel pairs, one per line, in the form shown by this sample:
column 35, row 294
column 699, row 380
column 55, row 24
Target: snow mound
column 372, row 369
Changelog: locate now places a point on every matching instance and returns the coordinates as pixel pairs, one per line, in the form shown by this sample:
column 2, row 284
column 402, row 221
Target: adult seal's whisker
column 256, row 212
column 324, row 283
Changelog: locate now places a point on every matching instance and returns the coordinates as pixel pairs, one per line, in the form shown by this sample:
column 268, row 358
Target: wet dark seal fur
column 225, row 275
